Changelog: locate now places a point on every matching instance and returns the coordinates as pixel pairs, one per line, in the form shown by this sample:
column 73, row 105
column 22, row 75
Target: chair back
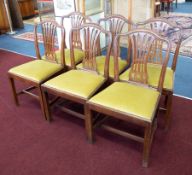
column 142, row 46
column 76, row 20
column 167, row 30
column 49, row 30
column 116, row 24
column 89, row 35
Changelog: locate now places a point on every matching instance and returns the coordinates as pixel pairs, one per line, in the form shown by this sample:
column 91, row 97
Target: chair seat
column 136, row 101
column 78, row 54
column 154, row 71
column 37, row 70
column 76, row 82
column 101, row 63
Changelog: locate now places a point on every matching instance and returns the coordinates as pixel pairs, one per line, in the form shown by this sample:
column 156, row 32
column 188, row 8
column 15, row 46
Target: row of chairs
column 124, row 83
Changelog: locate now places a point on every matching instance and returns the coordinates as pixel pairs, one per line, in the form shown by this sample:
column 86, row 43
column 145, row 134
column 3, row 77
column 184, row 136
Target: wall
column 141, row 9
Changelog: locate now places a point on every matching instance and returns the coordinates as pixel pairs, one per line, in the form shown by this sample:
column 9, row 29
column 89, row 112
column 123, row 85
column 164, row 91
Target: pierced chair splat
column 115, row 24
column 74, row 20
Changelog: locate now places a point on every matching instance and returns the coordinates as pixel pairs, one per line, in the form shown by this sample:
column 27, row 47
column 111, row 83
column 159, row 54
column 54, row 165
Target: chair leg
column 168, row 111
column 41, row 101
column 88, row 123
column 162, row 6
column 46, row 105
column 11, row 80
column 166, row 99
column 168, row 7
column 147, row 145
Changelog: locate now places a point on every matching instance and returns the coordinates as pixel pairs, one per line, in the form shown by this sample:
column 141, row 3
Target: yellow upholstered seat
column 37, row 70
column 101, row 63
column 154, row 71
column 136, row 101
column 79, row 54
column 79, row 83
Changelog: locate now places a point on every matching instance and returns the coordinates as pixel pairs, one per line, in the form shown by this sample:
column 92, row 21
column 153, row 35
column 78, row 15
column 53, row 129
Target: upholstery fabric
column 154, row 71
column 77, row 82
column 37, row 70
column 136, row 101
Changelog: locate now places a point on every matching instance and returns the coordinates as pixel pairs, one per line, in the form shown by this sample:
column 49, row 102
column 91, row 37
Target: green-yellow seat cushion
column 76, row 82
column 79, row 54
column 101, row 63
column 137, row 101
column 154, row 71
column 37, row 70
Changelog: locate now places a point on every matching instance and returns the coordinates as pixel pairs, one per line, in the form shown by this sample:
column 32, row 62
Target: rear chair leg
column 168, row 111
column 11, row 80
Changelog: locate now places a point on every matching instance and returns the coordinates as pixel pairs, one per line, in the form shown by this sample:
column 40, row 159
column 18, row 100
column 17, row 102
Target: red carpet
column 31, row 146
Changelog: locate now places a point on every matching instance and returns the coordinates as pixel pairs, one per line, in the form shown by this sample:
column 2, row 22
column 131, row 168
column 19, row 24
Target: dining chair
column 168, row 4
column 79, row 84
column 173, row 33
column 69, row 21
column 115, row 24
column 44, row 67
column 133, row 100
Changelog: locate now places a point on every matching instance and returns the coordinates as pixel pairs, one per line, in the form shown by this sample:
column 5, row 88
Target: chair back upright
column 167, row 30
column 142, row 46
column 89, row 35
column 116, row 24
column 50, row 41
column 76, row 20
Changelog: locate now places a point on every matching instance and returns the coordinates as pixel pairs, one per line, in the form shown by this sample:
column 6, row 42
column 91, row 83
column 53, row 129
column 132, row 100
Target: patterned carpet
column 185, row 22
column 29, row 36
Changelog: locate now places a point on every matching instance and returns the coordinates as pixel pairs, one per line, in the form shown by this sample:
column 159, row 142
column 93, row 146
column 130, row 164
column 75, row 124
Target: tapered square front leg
column 12, row 82
column 46, row 105
column 42, row 101
column 89, row 123
column 147, row 145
